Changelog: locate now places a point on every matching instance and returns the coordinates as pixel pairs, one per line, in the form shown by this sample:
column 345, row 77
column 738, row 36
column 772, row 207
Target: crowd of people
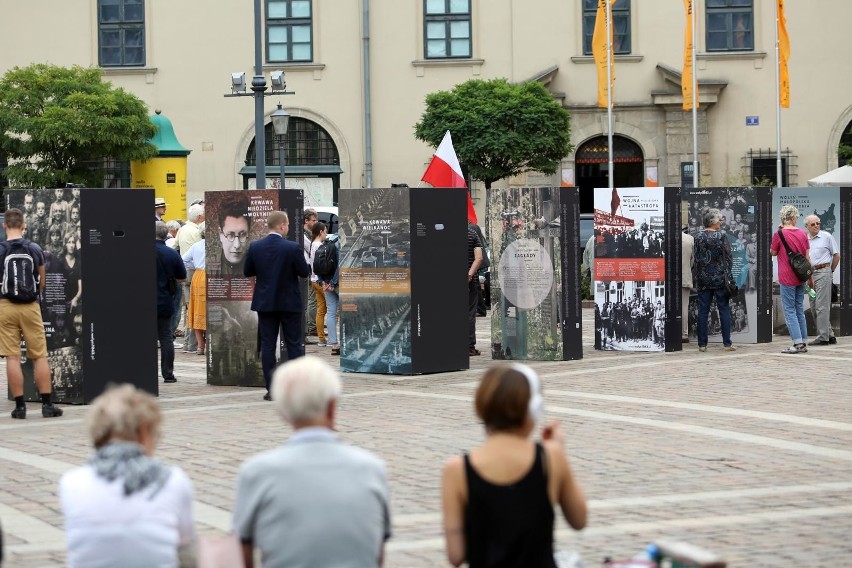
column 125, row 507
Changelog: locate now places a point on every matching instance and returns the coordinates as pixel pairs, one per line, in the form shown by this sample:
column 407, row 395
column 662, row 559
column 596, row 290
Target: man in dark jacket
column 170, row 274
column 277, row 264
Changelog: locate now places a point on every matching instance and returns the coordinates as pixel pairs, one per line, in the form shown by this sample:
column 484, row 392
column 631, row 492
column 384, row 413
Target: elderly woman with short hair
column 792, row 289
column 125, row 508
column 713, row 260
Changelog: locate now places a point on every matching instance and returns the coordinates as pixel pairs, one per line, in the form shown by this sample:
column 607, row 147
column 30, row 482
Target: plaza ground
column 748, row 454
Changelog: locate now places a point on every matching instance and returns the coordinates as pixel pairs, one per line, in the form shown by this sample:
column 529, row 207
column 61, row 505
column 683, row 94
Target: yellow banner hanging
column 687, row 76
column 784, row 55
column 600, row 45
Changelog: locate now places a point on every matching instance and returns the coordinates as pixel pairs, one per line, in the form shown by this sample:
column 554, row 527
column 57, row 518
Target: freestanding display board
column 747, row 224
column 403, row 292
column 534, row 236
column 637, row 269
column 233, row 220
column 99, row 289
column 833, row 206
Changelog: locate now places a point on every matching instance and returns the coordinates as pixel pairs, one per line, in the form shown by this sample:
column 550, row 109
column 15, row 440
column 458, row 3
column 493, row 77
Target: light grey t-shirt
column 314, row 501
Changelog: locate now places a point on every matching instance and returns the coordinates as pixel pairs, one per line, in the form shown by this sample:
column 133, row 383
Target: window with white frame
column 289, row 31
column 121, row 33
column 730, row 25
column 620, row 26
column 447, row 29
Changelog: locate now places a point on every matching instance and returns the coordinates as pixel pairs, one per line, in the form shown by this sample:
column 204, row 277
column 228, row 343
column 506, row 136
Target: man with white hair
column 315, row 501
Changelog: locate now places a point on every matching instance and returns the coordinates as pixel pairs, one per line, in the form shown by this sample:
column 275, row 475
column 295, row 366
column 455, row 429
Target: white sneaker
column 178, row 345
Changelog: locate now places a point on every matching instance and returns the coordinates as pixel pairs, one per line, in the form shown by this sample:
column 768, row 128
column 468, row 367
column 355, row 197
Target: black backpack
column 325, row 259
column 20, row 284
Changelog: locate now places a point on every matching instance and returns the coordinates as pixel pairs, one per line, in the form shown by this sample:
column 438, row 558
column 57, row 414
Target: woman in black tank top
column 498, row 500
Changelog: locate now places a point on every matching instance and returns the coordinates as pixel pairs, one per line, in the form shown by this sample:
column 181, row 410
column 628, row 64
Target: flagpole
column 611, row 172
column 778, row 178
column 696, row 178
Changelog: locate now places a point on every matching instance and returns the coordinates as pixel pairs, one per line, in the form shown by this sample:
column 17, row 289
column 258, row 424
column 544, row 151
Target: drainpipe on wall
column 368, row 133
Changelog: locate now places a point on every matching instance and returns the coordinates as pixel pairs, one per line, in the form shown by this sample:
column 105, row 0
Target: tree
column 499, row 129
column 55, row 122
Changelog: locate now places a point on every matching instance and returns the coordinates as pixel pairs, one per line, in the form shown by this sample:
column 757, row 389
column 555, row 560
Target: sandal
column 792, row 350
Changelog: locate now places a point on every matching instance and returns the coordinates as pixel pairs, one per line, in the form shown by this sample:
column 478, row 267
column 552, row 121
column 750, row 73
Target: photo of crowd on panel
column 52, row 219
column 743, row 225
column 234, row 219
column 375, row 281
column 630, row 269
column 525, row 228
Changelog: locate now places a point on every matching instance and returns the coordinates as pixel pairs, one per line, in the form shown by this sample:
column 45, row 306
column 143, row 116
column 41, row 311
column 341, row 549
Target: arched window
column 595, row 151
column 307, row 144
column 844, row 151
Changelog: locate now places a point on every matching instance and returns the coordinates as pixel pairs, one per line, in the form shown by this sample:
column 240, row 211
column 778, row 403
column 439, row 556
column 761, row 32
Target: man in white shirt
column 314, row 501
column 825, row 257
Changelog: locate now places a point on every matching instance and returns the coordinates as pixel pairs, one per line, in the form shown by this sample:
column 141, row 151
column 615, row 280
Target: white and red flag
column 444, row 171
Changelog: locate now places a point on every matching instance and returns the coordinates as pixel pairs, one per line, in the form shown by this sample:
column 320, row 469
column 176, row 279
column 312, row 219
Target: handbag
column 731, row 286
column 798, row 262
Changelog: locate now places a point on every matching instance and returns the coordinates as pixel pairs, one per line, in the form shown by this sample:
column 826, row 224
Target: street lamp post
column 258, row 87
column 280, row 121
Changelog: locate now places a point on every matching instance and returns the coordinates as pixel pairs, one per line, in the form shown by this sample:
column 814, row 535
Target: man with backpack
column 22, row 267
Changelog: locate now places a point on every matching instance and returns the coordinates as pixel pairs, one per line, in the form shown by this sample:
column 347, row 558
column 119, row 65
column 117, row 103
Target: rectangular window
column 447, row 29
column 620, row 23
column 121, row 33
column 730, row 25
column 764, row 172
column 289, row 31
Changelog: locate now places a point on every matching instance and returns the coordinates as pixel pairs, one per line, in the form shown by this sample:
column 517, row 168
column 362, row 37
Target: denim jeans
column 331, row 299
column 792, row 300
column 704, row 298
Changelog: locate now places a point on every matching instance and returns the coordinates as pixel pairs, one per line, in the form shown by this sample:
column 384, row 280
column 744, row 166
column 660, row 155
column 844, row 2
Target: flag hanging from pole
column 600, row 46
column 615, row 203
column 687, row 78
column 784, row 55
column 444, row 171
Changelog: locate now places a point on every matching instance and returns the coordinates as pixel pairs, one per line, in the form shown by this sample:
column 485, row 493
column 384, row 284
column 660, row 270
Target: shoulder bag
column 798, row 262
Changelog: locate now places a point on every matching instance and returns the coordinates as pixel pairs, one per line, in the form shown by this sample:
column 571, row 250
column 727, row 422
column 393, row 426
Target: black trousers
column 472, row 303
column 268, row 324
column 167, row 346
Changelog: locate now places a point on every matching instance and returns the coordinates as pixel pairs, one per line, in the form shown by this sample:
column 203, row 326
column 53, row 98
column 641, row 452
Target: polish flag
column 444, row 171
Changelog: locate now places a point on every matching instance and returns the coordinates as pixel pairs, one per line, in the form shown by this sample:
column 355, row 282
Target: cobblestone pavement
column 748, row 454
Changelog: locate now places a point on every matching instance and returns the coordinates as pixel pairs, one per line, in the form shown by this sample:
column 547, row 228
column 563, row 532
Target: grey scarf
column 127, row 460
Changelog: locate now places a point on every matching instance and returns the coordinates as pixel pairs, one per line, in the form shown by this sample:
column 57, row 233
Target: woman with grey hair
column 792, row 289
column 712, row 268
column 125, row 508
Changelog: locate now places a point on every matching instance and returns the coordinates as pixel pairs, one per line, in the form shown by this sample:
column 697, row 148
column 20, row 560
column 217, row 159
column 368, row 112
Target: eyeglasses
column 816, row 224
column 241, row 236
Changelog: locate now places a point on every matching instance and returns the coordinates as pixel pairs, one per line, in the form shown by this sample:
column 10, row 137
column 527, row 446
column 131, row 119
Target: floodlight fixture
column 278, row 81
column 238, row 82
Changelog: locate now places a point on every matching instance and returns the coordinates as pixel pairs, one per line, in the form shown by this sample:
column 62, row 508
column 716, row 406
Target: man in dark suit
column 277, row 264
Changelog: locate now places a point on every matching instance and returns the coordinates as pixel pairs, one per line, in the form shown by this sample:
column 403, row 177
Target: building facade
column 359, row 89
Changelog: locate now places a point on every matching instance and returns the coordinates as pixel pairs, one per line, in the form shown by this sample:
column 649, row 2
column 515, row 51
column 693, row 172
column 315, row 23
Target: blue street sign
column 752, row 121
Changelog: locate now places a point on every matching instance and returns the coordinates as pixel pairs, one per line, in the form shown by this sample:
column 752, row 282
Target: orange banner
column 687, row 79
column 600, row 46
column 784, row 55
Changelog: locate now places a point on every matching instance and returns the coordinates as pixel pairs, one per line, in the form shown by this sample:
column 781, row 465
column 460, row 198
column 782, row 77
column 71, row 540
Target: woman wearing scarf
column 125, row 508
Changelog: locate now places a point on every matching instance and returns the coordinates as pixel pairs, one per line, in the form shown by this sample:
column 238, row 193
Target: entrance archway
column 592, row 162
column 844, row 150
column 309, row 152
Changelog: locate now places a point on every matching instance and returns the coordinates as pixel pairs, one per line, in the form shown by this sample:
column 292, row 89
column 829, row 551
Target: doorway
column 592, row 163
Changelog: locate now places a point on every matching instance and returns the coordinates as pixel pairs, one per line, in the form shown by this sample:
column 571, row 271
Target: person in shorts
column 25, row 319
